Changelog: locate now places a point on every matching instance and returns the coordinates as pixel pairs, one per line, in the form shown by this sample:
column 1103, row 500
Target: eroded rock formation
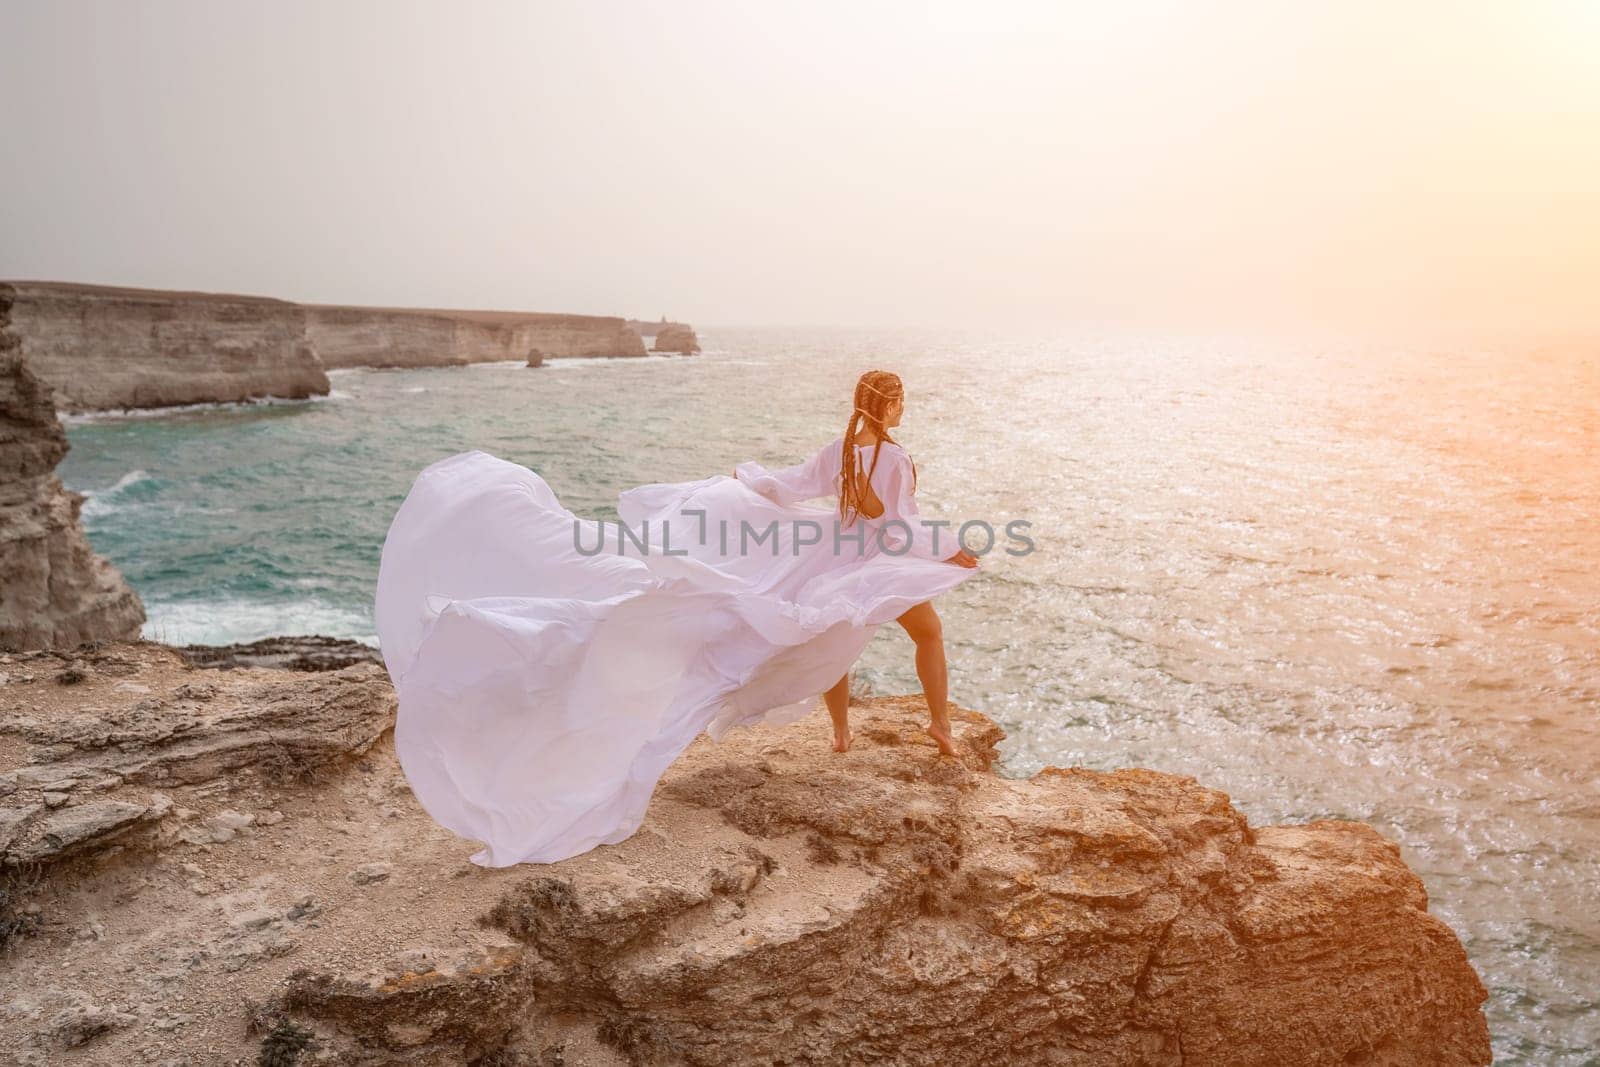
column 267, row 880
column 54, row 589
column 107, row 348
column 676, row 338
column 102, row 347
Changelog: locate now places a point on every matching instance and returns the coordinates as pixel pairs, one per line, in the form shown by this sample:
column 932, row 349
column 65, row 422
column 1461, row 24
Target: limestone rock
column 422, row 337
column 371, row 872
column 462, row 998
column 54, row 589
column 676, row 338
column 86, row 1020
column 106, row 762
column 781, row 903
column 105, row 347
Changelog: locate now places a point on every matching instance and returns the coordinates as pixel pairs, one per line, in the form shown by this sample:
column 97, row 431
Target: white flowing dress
column 550, row 668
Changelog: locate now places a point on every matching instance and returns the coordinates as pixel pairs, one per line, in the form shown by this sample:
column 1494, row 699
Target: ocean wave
column 80, row 418
column 594, row 361
column 223, row 622
column 104, row 501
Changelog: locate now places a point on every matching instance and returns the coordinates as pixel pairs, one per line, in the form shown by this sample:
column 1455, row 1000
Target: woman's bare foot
column 841, row 742
column 946, row 743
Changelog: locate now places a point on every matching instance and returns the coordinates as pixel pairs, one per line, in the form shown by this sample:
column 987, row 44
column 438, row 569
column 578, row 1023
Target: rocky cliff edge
column 207, row 866
column 54, row 589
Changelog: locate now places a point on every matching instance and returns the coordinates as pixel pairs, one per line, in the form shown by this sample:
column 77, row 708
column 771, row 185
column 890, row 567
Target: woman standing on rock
column 550, row 668
column 878, row 493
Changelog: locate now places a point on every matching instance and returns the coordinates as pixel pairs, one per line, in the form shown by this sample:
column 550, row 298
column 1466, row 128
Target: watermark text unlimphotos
column 894, row 537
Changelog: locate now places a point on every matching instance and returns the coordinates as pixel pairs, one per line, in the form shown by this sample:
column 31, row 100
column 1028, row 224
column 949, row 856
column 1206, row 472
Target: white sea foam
column 598, row 361
column 81, row 417
column 498, row 363
column 223, row 622
column 102, row 501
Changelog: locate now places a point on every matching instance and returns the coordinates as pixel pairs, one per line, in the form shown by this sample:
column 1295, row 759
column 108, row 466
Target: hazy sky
column 819, row 163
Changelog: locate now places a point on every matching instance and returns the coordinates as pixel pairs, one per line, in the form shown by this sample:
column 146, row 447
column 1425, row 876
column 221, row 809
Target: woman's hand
column 963, row 558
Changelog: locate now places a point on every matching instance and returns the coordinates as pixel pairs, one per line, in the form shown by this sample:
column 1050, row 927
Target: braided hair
column 875, row 391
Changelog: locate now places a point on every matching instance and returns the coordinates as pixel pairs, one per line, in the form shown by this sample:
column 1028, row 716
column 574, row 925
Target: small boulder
column 371, row 872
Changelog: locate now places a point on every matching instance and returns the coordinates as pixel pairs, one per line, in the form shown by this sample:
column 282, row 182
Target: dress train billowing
column 550, row 668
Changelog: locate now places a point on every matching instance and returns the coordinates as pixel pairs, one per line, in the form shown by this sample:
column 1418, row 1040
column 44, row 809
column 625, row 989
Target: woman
column 550, row 668
column 879, row 403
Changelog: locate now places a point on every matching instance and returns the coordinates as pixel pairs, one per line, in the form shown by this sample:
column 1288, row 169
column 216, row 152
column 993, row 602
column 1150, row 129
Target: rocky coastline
column 54, row 589
column 665, row 336
column 210, row 867
column 405, row 337
column 107, row 348
column 103, row 348
column 211, row 855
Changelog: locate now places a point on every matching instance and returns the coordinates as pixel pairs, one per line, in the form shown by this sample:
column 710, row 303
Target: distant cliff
column 104, row 347
column 54, row 590
column 422, row 337
column 101, row 347
column 667, row 336
column 675, row 338
column 650, row 329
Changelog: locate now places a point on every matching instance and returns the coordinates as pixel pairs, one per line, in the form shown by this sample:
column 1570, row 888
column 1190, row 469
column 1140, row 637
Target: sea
column 1335, row 580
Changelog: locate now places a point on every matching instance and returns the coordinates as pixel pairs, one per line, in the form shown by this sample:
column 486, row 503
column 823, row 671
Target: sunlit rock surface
column 241, row 865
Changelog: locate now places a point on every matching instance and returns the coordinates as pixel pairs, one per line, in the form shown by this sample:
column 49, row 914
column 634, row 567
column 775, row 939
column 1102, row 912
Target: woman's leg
column 922, row 624
column 838, row 700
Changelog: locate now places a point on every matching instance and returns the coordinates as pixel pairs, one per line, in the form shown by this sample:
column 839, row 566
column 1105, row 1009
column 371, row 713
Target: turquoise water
column 1349, row 583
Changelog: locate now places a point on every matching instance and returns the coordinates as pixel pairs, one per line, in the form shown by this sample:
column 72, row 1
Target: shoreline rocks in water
column 676, row 338
column 230, row 861
column 666, row 336
column 106, row 348
column 54, row 589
